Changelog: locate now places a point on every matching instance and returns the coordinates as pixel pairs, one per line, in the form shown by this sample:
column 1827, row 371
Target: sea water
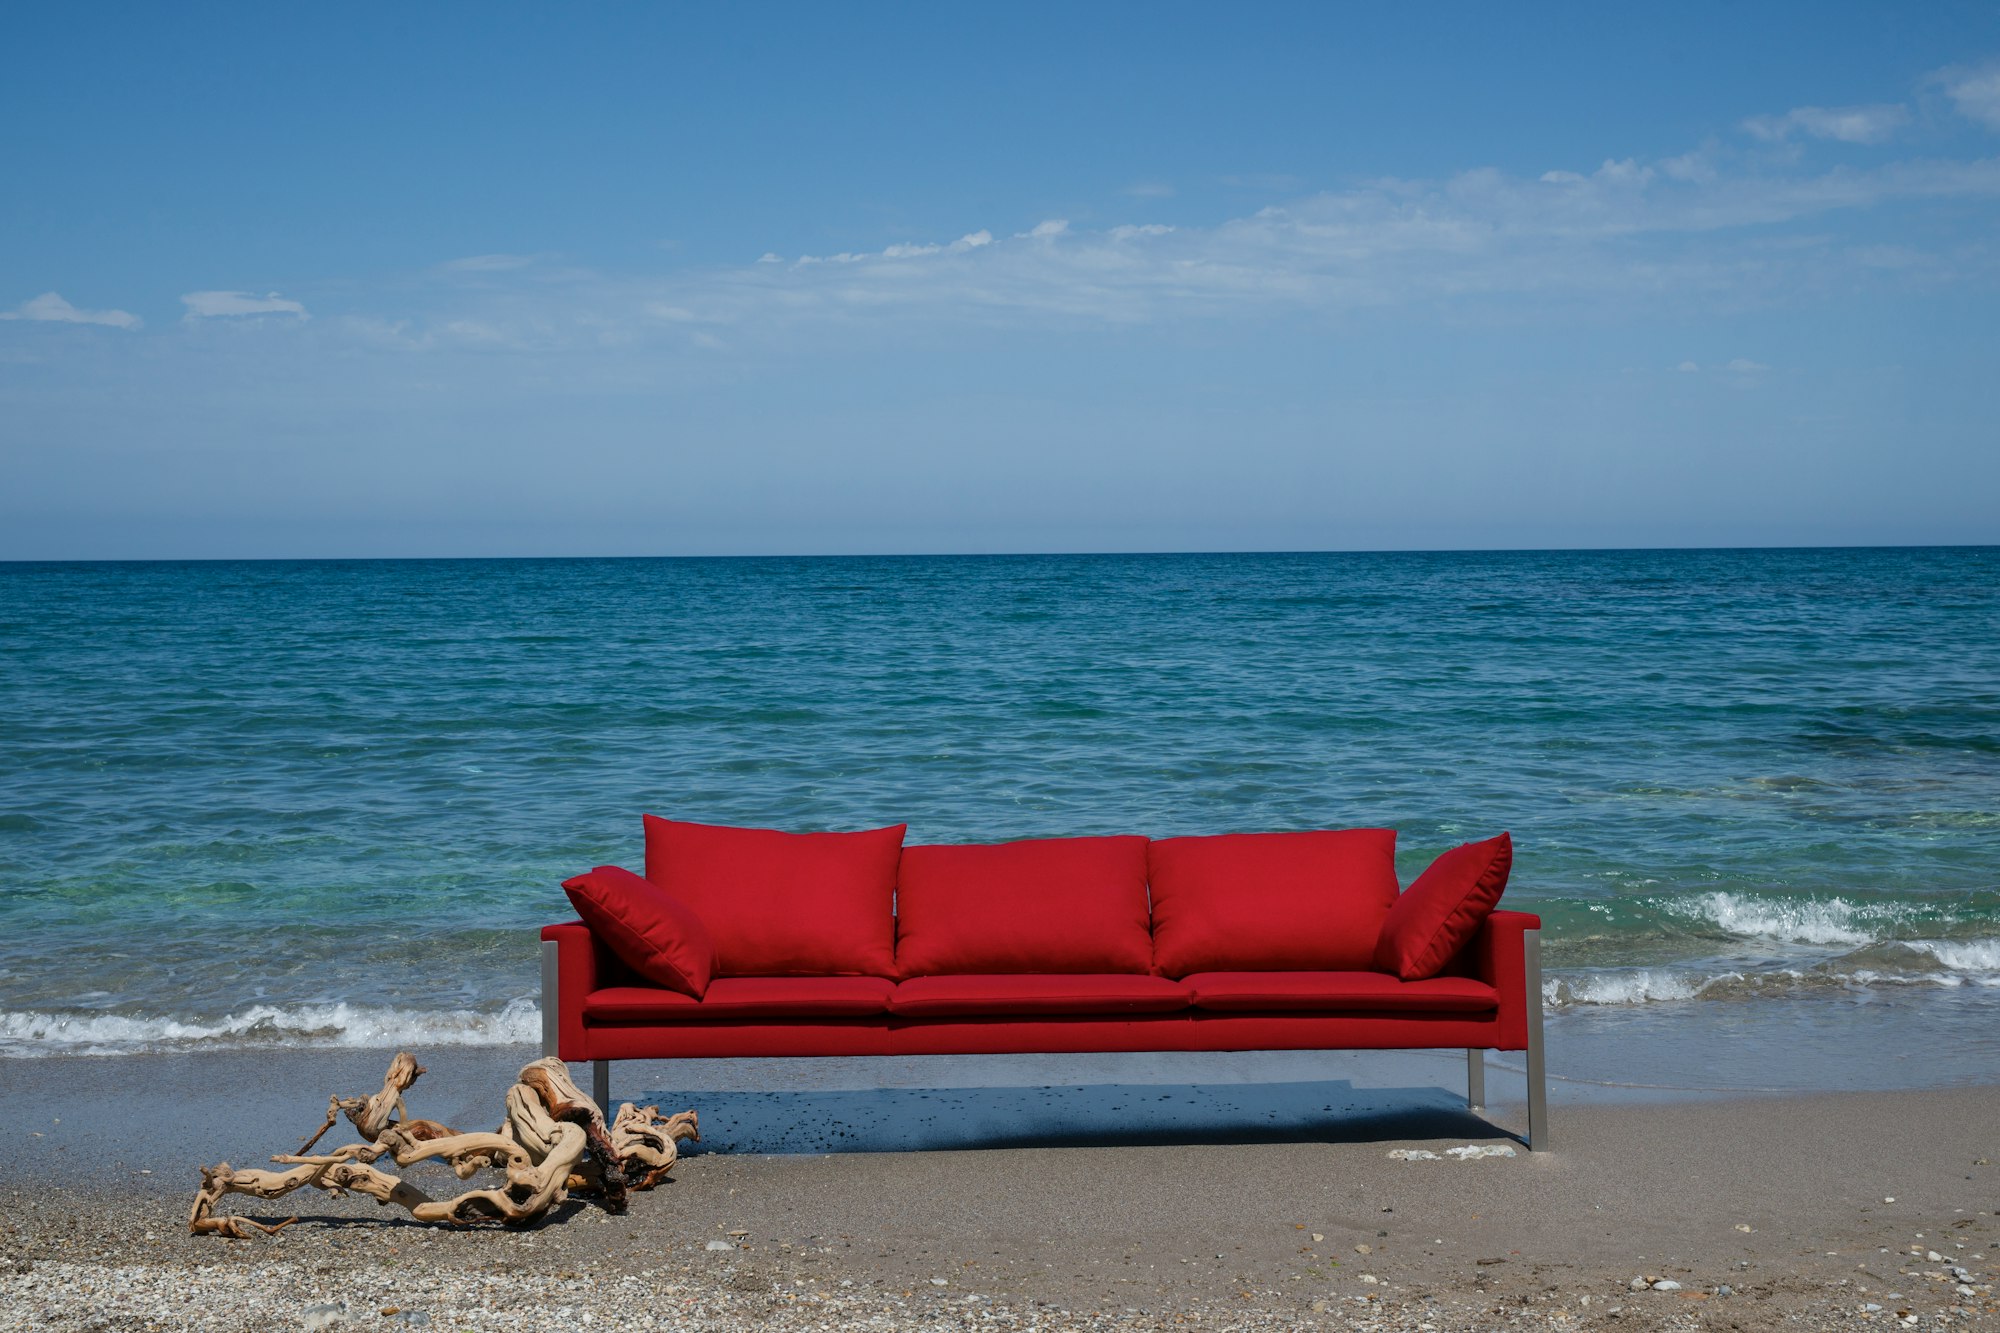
column 328, row 803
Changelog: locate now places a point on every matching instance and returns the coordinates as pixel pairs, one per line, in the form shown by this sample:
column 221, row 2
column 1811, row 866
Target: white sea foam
column 31, row 1033
column 1964, row 956
column 1789, row 921
column 1639, row 985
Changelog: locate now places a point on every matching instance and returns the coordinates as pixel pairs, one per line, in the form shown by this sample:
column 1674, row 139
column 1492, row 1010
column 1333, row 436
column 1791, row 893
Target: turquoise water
column 328, row 802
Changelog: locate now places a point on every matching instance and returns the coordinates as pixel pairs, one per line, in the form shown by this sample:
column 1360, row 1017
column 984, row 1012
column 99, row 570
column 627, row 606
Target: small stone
column 1364, row 1249
column 937, row 1282
column 323, row 1315
column 1725, row 1290
column 1317, row 1238
column 1871, row 1308
column 1742, row 1226
column 1889, row 1198
column 1965, row 1289
column 1370, row 1279
column 719, row 1245
column 1666, row 1284
column 1638, row 1284
column 1932, row 1256
column 1319, row 1307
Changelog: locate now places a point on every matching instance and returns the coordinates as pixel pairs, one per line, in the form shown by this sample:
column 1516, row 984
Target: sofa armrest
column 576, row 976
column 1498, row 957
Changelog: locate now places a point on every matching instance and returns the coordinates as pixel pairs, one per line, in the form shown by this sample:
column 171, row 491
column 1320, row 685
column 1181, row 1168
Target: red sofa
column 742, row 942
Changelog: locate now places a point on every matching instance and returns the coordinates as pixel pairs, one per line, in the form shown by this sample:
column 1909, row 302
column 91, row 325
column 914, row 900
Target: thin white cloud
column 51, row 308
column 1974, row 91
column 1877, row 123
column 213, row 305
column 488, row 263
column 1688, row 368
column 1712, row 228
column 1743, row 365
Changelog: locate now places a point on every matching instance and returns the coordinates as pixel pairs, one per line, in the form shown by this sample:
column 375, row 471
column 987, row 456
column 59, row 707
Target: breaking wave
column 32, row 1033
column 1894, row 963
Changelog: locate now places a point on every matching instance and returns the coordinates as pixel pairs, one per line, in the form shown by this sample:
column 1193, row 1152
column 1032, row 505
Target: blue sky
column 514, row 280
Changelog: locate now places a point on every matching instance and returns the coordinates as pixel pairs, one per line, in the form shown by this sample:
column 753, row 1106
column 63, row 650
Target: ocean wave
column 34, row 1033
column 1822, row 921
column 1895, row 963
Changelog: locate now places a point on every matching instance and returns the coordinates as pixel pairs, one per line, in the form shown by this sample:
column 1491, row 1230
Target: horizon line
column 997, row 555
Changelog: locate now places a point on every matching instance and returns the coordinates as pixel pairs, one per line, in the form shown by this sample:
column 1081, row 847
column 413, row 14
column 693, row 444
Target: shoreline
column 1256, row 1223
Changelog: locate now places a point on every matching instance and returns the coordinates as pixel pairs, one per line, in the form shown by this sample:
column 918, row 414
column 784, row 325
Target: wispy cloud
column 1704, row 229
column 1873, row 124
column 51, row 308
column 1974, row 91
column 214, row 305
column 487, row 263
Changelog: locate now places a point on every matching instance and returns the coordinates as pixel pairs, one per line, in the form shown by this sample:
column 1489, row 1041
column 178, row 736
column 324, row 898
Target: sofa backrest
column 1046, row 905
column 784, row 904
column 1270, row 902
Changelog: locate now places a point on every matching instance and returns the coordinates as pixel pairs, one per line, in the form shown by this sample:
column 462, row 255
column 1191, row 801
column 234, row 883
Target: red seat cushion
column 1444, row 909
column 1321, row 991
column 743, row 998
column 784, row 904
column 1049, row 905
column 1042, row 994
column 654, row 933
column 1271, row 901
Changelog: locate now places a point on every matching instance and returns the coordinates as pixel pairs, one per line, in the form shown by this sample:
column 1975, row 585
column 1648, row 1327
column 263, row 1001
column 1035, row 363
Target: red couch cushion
column 1273, row 992
column 1271, row 901
column 654, row 933
column 1444, row 909
column 736, row 998
column 1048, row 905
column 784, row 904
column 1042, row 994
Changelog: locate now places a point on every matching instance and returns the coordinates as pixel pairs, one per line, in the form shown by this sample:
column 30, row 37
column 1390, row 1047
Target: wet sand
column 1244, row 1199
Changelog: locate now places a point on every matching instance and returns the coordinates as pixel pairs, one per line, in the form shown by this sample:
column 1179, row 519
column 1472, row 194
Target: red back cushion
column 784, row 904
column 1444, row 909
column 1271, row 902
column 654, row 933
column 1049, row 905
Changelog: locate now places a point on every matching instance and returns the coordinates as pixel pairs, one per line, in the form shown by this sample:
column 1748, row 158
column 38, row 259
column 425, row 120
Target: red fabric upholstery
column 654, row 933
column 1343, row 1032
column 1430, row 924
column 1050, row 1035
column 1498, row 957
column 784, row 904
column 1270, row 902
column 738, row 998
column 1049, row 905
column 789, row 1037
column 580, row 959
column 1073, row 993
column 1191, row 1030
column 1350, row 991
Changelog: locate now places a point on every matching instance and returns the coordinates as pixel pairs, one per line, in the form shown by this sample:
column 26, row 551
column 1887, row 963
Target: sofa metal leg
column 1475, row 1079
column 1538, row 1077
column 600, row 1085
column 551, row 987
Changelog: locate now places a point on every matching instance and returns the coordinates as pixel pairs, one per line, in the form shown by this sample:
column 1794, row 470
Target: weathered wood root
column 555, row 1140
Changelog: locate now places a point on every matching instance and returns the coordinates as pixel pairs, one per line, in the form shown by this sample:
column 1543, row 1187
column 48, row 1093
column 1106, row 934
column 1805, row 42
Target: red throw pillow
column 1270, row 902
column 1046, row 905
column 784, row 904
column 1444, row 909
column 657, row 935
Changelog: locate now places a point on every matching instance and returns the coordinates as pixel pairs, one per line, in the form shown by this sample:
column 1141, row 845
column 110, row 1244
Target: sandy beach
column 1807, row 1211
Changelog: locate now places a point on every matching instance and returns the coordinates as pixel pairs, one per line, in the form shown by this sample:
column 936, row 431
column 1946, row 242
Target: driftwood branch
column 555, row 1141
